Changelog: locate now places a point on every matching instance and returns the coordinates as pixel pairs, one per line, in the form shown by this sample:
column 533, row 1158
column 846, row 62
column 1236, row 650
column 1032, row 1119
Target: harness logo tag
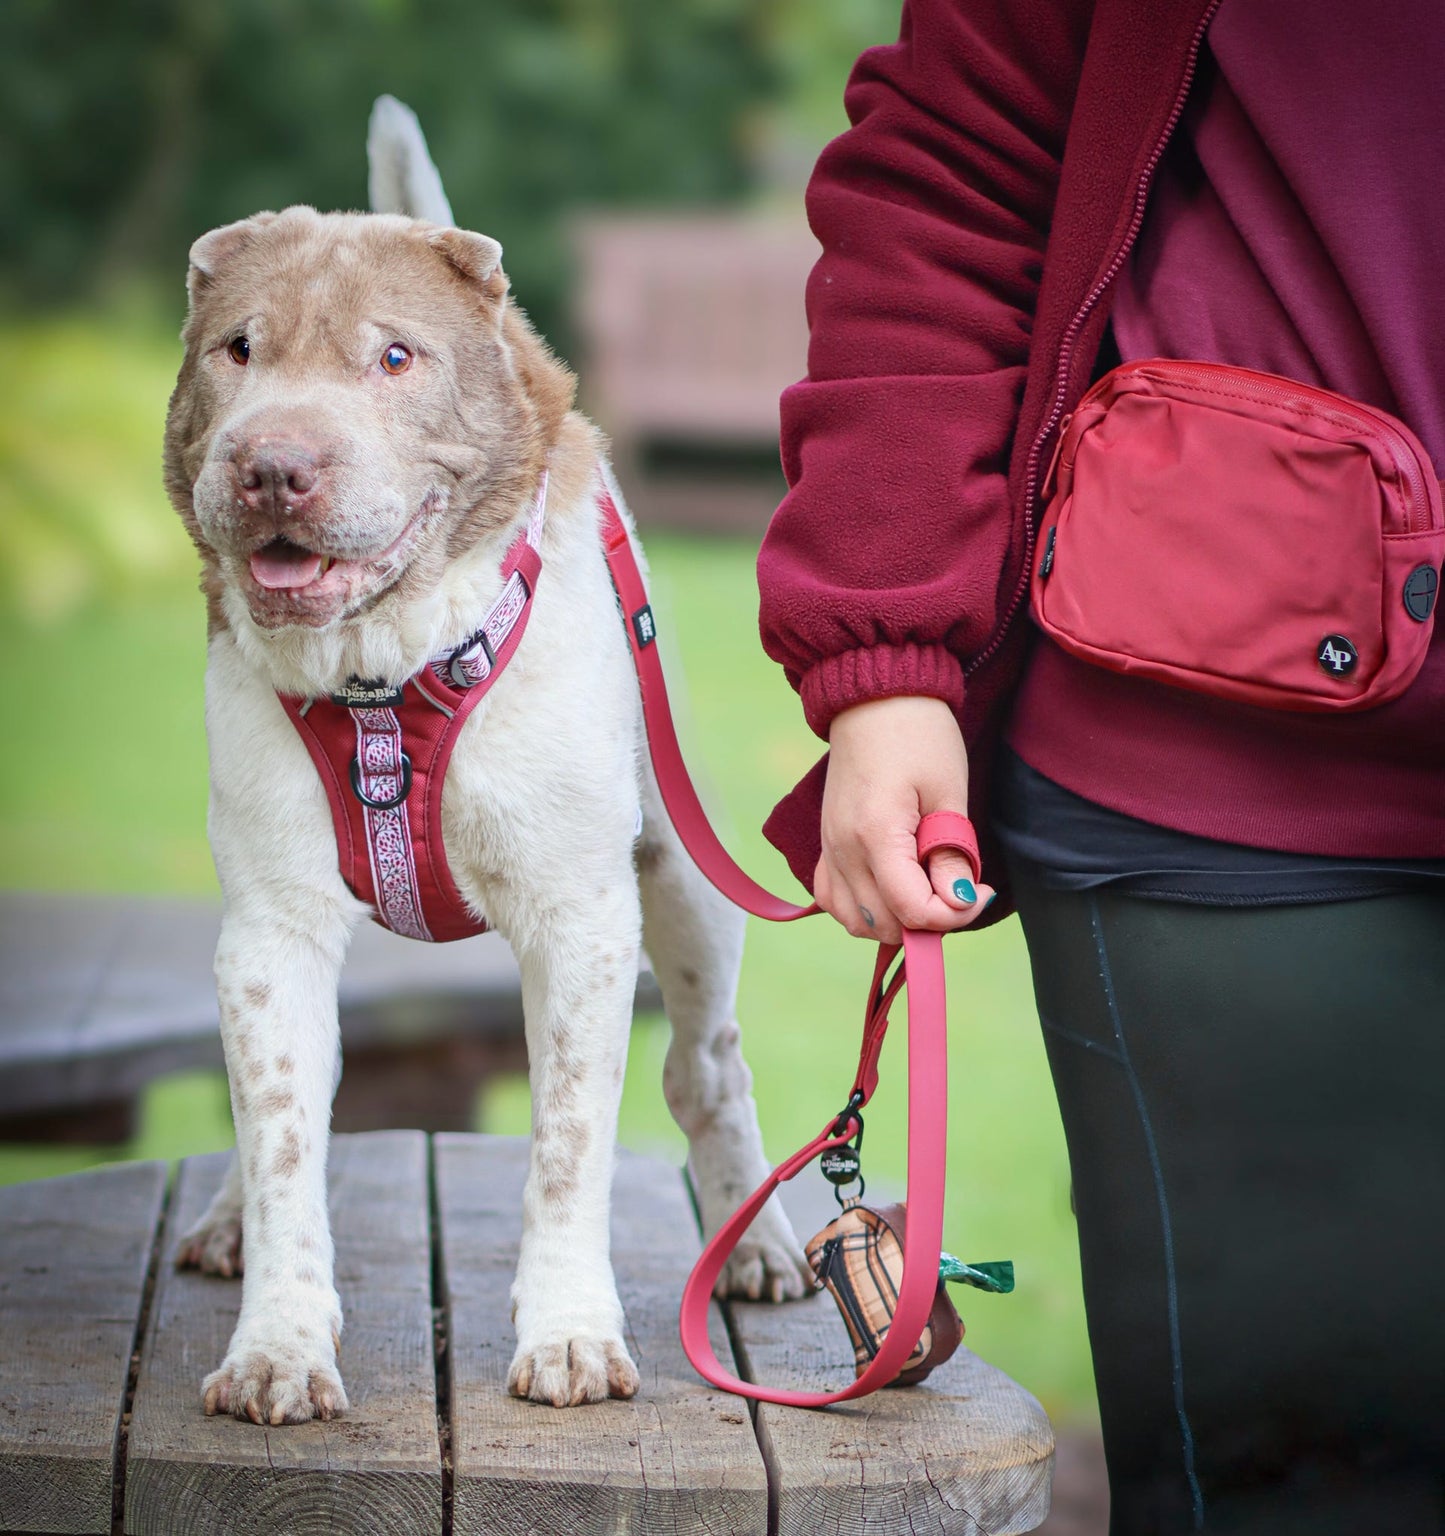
column 1337, row 655
column 643, row 626
column 358, row 694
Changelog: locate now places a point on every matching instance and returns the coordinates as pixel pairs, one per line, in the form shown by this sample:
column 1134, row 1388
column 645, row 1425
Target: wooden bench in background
column 691, row 326
column 100, row 995
column 104, row 1345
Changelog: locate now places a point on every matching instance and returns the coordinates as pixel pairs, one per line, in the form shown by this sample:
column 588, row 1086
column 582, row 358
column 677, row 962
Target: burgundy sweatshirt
column 1284, row 231
column 975, row 222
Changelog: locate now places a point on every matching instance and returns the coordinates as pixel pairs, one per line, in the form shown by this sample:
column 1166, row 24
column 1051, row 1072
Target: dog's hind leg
column 213, row 1245
column 694, row 937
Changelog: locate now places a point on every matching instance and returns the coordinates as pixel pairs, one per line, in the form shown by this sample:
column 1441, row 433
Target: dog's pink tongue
column 281, row 564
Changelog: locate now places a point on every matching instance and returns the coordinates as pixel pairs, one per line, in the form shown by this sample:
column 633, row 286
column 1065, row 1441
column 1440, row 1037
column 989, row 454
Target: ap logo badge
column 1337, row 656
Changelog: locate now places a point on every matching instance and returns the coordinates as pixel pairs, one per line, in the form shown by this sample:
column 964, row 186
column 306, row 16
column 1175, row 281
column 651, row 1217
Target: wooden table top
column 103, row 1345
column 100, row 994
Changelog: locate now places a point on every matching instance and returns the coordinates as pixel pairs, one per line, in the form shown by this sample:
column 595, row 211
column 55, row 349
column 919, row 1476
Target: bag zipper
column 1271, row 388
column 1076, row 324
column 842, row 1285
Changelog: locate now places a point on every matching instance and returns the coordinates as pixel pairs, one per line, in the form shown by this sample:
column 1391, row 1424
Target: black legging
column 1254, row 1101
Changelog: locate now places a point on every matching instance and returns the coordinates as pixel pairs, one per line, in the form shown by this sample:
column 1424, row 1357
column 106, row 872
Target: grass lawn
column 112, row 797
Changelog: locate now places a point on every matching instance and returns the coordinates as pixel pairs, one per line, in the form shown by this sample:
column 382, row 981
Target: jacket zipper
column 1348, row 412
column 1076, row 324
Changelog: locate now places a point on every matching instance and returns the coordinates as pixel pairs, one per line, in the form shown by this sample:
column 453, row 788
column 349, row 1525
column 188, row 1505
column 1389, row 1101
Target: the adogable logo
column 1337, row 655
column 358, row 694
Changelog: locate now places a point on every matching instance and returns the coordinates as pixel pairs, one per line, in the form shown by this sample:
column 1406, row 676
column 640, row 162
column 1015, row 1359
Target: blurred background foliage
column 135, row 126
column 130, row 128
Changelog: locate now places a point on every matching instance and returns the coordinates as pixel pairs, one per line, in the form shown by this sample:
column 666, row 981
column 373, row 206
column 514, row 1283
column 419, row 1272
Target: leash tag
column 644, row 627
column 358, row 694
column 840, row 1165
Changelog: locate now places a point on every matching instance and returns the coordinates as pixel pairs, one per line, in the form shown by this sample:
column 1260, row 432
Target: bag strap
column 921, row 967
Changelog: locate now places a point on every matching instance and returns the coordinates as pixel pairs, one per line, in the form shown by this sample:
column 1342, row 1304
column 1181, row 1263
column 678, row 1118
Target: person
column 1235, row 915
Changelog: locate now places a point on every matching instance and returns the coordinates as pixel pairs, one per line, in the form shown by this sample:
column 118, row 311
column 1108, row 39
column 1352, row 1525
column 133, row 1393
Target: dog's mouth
column 291, row 583
column 282, row 566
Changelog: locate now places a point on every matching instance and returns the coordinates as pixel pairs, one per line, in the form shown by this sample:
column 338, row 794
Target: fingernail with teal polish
column 964, row 890
column 990, row 901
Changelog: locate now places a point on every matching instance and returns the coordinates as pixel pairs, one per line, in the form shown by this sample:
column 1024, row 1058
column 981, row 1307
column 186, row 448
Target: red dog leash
column 927, row 1032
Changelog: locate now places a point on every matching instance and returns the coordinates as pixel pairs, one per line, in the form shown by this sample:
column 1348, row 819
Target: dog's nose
column 276, row 474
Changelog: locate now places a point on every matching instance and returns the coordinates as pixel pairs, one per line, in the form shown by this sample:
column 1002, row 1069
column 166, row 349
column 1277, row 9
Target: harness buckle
column 464, row 653
column 381, row 805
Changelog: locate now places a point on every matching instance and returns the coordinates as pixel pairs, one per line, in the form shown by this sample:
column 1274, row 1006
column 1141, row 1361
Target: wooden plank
column 377, row 1470
column 74, row 1254
column 680, row 1458
column 966, row 1453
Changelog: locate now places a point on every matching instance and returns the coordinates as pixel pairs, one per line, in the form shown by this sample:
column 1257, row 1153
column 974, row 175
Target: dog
column 364, row 424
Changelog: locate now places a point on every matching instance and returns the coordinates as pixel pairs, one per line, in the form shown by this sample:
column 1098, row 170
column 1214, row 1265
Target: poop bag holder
column 858, row 1259
column 1241, row 535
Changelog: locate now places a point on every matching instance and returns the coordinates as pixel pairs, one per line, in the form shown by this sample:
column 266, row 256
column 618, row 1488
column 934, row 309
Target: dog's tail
column 403, row 178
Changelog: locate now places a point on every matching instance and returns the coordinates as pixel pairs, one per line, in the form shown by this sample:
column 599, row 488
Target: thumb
column 952, row 878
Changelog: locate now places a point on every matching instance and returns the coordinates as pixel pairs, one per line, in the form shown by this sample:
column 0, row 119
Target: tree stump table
column 103, row 1345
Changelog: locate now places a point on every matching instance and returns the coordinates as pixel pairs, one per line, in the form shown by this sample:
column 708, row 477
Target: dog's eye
column 396, row 358
column 240, row 351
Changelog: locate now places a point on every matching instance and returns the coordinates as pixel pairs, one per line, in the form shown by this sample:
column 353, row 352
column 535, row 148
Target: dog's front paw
column 213, row 1246
column 567, row 1372
column 277, row 1383
column 768, row 1264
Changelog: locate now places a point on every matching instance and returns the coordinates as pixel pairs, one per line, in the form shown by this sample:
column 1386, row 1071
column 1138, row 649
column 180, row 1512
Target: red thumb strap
column 947, row 829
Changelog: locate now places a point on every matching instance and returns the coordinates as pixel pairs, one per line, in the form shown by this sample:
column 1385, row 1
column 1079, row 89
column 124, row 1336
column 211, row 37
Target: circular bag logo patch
column 1337, row 656
column 1421, row 587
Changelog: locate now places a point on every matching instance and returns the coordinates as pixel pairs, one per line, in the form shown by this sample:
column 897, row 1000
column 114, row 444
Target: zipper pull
column 1048, row 486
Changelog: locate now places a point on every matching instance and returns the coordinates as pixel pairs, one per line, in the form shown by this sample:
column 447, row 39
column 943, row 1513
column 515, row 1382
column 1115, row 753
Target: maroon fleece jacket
column 971, row 221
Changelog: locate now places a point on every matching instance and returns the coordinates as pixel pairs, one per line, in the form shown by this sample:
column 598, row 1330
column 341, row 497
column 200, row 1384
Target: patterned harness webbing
column 382, row 753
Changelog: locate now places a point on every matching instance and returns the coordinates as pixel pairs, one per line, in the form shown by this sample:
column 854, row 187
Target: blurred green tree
column 141, row 124
column 134, row 126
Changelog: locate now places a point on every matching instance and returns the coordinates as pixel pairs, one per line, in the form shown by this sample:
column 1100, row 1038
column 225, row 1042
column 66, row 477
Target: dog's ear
column 215, row 248
column 477, row 257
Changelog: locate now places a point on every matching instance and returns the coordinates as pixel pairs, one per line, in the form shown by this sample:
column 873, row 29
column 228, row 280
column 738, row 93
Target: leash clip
column 843, row 1165
column 850, row 1112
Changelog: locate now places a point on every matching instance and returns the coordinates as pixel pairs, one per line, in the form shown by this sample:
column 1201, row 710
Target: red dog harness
column 382, row 753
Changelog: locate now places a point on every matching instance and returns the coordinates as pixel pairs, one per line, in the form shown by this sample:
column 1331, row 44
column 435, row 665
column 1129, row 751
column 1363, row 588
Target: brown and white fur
column 414, row 484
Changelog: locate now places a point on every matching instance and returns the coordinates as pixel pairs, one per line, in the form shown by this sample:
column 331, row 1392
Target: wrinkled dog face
column 348, row 407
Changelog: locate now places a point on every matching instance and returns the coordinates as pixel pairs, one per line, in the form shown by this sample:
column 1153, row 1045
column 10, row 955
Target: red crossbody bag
column 1241, row 535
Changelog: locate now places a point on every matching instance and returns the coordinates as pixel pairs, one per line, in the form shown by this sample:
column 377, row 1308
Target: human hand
column 891, row 762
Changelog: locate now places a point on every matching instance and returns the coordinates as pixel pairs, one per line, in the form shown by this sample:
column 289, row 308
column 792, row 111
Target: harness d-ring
column 381, row 805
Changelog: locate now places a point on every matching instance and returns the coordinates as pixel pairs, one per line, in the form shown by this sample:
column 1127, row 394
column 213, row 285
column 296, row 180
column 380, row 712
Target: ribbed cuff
column 879, row 672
